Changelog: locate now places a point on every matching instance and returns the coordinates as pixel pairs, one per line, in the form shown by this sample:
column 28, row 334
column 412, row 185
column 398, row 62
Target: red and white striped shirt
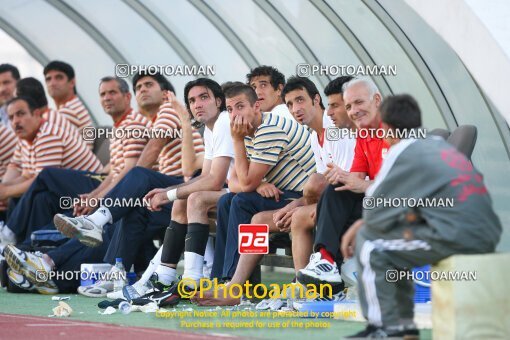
column 127, row 147
column 77, row 114
column 56, row 118
column 7, row 146
column 54, row 146
column 169, row 159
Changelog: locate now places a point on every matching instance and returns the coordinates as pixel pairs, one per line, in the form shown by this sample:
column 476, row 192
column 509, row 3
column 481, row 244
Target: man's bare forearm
column 19, row 188
column 151, row 153
column 241, row 163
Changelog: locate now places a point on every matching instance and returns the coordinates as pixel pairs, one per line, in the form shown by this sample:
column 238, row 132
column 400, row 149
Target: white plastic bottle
column 119, row 275
column 125, row 307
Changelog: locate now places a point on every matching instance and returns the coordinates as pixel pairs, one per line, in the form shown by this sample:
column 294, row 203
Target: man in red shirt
column 341, row 203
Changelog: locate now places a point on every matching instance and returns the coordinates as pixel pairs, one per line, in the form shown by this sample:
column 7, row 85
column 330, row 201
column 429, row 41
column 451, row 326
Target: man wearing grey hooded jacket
column 428, row 202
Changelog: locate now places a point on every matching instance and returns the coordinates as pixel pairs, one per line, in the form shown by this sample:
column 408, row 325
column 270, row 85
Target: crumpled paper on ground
column 148, row 308
column 63, row 310
column 108, row 311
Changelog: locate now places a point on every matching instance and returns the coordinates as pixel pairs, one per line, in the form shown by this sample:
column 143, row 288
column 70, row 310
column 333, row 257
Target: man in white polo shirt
column 189, row 228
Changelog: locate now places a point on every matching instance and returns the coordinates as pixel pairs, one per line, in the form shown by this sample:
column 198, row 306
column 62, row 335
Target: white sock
column 101, row 216
column 166, row 275
column 155, row 262
column 193, row 266
column 209, row 252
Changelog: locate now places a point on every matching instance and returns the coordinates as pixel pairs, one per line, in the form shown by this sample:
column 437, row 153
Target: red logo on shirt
column 253, row 239
column 456, row 160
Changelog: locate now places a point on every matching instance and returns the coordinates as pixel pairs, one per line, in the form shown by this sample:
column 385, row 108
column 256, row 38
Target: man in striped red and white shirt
column 53, row 183
column 41, row 144
column 125, row 149
column 31, row 87
column 7, row 145
column 166, row 151
column 61, row 84
column 9, row 75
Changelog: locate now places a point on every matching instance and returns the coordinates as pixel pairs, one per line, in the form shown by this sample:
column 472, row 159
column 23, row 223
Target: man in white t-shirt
column 189, row 229
column 268, row 83
column 299, row 216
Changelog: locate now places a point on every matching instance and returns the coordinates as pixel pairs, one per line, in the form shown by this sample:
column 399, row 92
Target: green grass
column 86, row 309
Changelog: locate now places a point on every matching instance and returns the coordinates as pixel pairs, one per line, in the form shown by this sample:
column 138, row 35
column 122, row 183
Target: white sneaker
column 319, row 271
column 100, row 288
column 82, row 228
column 22, row 282
column 140, row 289
column 30, row 265
column 137, row 290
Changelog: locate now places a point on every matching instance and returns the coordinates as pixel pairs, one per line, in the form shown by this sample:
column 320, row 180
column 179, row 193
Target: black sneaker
column 166, row 298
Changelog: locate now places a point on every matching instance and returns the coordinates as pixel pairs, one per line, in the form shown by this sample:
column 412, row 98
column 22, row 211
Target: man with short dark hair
column 61, row 85
column 9, row 75
column 329, row 155
column 139, row 224
column 268, row 83
column 400, row 238
column 303, row 100
column 41, row 201
column 189, row 225
column 38, row 206
column 266, row 146
column 41, row 145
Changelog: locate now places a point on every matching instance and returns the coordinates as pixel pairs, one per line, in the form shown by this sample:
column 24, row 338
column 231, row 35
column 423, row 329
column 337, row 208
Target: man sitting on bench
column 305, row 104
column 189, row 226
column 400, row 238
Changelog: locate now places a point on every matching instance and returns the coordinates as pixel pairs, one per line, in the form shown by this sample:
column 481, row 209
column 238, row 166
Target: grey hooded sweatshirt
column 434, row 174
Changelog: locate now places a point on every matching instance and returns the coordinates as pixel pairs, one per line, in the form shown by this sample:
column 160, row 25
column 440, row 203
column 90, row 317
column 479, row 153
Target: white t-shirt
column 218, row 142
column 283, row 111
column 339, row 152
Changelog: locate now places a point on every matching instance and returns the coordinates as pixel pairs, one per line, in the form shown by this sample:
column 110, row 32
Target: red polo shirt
column 368, row 155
